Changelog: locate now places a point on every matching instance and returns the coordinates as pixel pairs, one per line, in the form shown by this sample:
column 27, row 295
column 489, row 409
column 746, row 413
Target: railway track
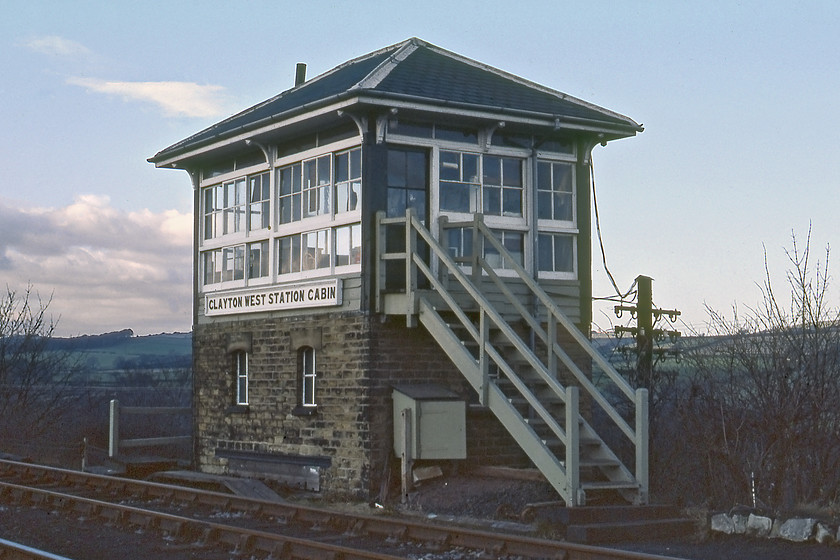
column 265, row 529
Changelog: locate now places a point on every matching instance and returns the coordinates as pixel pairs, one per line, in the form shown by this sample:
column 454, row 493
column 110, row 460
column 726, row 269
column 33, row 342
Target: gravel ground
column 504, row 499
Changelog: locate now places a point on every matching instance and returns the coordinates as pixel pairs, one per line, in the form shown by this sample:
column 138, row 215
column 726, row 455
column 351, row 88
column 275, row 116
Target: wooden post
column 114, row 429
column 483, row 358
column 642, row 445
column 407, row 459
column 410, row 269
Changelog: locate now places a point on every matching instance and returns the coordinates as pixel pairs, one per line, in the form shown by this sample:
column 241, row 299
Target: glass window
column 289, row 181
column 289, row 254
column 459, row 242
column 556, row 252
column 513, row 242
column 348, row 180
column 555, row 193
column 407, row 180
column 240, row 361
column 234, row 206
column 348, row 245
column 212, row 261
column 233, row 263
column 502, row 188
column 307, row 376
column 316, row 186
column 316, row 249
column 258, row 259
column 259, row 198
column 459, row 182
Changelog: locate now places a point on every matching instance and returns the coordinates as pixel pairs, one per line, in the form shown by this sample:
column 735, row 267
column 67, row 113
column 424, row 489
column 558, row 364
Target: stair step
column 630, row 530
column 584, row 442
column 610, row 485
column 600, row 463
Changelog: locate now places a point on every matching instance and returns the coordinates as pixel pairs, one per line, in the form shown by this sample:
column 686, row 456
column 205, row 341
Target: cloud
column 105, row 268
column 54, row 45
column 175, row 98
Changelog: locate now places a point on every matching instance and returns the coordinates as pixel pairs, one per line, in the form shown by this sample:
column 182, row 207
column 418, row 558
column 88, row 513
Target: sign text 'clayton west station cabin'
column 277, row 298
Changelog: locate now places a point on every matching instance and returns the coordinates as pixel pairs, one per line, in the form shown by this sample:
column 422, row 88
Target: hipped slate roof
column 417, row 72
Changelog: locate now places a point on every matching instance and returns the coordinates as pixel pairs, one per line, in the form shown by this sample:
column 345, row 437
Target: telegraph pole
column 644, row 332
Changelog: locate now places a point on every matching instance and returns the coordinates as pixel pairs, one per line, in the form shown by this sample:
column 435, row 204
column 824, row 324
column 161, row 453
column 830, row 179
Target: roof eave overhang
column 181, row 156
column 177, row 157
column 509, row 115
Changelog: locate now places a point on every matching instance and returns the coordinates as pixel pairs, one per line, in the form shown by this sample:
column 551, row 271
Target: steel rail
column 15, row 551
column 387, row 528
column 207, row 533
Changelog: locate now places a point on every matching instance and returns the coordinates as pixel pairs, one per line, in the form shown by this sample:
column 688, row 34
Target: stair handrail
column 638, row 398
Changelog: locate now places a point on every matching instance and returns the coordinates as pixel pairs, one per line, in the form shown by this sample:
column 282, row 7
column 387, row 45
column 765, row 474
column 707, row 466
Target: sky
column 740, row 152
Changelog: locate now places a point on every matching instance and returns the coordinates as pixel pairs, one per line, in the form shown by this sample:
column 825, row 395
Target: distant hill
column 121, row 350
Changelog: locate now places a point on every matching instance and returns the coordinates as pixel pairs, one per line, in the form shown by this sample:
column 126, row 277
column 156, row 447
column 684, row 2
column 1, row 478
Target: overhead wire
column 620, row 297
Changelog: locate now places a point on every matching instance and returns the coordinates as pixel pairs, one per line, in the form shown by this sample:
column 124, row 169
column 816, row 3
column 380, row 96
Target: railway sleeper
column 145, row 521
column 113, row 517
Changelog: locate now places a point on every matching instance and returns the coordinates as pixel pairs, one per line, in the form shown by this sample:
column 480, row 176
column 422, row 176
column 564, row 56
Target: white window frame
column 308, row 377
column 240, row 360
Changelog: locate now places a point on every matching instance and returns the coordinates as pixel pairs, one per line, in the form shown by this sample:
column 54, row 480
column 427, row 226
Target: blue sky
column 738, row 100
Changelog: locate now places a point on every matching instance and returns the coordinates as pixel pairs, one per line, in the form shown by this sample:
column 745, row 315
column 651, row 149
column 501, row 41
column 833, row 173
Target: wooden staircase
column 514, row 361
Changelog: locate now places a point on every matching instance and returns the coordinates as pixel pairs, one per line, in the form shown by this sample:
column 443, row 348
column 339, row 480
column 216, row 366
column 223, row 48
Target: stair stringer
column 530, row 442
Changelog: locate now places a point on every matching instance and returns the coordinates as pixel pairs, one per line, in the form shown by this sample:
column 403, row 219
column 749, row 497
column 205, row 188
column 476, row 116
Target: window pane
column 416, row 170
column 455, row 197
column 355, row 194
column 545, row 259
column 514, row 243
column 450, row 166
column 239, row 262
column 416, row 199
column 396, row 168
column 564, row 253
column 543, row 176
column 310, row 174
column 492, row 170
column 563, row 206
column 512, row 170
column 348, row 245
column 396, row 202
column 356, row 163
column 470, row 168
column 324, row 175
column 562, row 177
column 316, row 252
column 544, row 203
column 492, row 200
column 289, row 256
column 258, row 259
column 342, row 167
column 512, row 202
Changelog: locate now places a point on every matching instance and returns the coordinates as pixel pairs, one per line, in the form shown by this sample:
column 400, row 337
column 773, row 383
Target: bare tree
column 33, row 377
column 761, row 406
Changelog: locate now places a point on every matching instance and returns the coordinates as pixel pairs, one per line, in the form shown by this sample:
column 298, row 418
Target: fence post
column 114, row 429
column 642, row 444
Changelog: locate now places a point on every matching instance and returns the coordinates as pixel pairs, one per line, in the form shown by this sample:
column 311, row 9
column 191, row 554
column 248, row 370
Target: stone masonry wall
column 359, row 358
column 273, row 423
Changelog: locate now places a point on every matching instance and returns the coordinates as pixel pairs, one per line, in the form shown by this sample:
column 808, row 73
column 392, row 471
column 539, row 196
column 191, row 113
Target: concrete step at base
column 630, row 530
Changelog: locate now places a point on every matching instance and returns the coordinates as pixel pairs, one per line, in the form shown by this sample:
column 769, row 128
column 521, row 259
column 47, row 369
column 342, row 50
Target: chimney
column 300, row 73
